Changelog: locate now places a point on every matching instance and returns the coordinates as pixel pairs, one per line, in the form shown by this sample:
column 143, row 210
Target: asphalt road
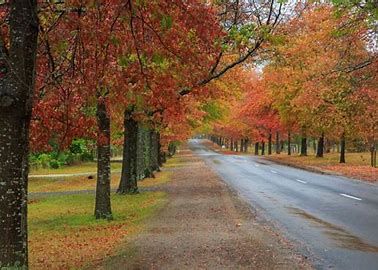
column 333, row 220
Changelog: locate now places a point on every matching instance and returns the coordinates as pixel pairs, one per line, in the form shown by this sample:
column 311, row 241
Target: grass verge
column 78, row 183
column 63, row 234
column 77, row 168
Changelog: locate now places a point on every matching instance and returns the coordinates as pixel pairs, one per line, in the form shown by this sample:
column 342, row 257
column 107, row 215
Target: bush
column 54, row 164
column 78, row 146
column 87, row 156
column 77, row 152
column 44, row 160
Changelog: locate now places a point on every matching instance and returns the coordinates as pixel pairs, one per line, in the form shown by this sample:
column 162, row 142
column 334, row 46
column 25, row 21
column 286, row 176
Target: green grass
column 63, row 233
column 58, row 213
column 78, row 168
column 83, row 183
column 174, row 162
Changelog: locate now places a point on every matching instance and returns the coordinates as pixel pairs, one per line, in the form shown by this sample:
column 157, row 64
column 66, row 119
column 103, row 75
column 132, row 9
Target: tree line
column 318, row 80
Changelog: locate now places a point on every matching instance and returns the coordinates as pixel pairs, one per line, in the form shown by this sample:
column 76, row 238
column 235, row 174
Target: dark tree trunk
column 159, row 152
column 262, row 148
column 146, row 153
column 103, row 205
column 304, row 144
column 327, row 146
column 320, row 149
column 241, row 145
column 129, row 176
column 16, row 95
column 172, row 149
column 289, row 143
column 164, row 157
column 282, row 145
column 256, row 148
column 232, row 144
column 270, row 144
column 155, row 151
column 373, row 155
column 278, row 148
column 236, row 146
column 246, row 142
column 342, row 148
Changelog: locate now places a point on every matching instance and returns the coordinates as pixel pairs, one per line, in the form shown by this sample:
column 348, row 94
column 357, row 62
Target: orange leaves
column 367, row 173
column 75, row 248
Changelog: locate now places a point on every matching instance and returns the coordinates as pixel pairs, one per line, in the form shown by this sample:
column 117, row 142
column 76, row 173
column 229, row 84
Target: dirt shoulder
column 204, row 225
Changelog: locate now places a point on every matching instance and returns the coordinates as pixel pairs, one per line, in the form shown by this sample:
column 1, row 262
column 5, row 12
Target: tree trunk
column 155, row 151
column 236, row 146
column 232, row 144
column 129, row 176
column 373, row 155
column 241, row 145
column 256, row 148
column 246, row 142
column 16, row 95
column 282, row 146
column 289, row 143
column 159, row 152
column 171, row 149
column 262, row 148
column 320, row 149
column 278, row 148
column 270, row 144
column 342, row 148
column 304, row 144
column 146, row 153
column 103, row 205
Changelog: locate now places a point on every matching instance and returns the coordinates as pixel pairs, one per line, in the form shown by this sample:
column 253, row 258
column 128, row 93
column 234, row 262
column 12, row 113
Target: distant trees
column 318, row 82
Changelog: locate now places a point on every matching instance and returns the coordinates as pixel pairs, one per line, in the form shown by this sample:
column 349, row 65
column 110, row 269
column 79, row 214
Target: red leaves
column 139, row 54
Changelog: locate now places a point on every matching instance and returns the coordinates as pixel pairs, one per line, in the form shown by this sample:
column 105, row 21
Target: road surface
column 333, row 220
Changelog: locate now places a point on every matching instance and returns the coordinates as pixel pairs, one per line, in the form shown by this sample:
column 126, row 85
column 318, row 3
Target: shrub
column 54, row 164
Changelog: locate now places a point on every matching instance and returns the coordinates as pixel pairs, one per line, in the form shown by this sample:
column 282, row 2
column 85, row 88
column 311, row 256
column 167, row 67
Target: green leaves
column 214, row 111
column 160, row 61
column 243, row 35
column 125, row 60
column 166, row 22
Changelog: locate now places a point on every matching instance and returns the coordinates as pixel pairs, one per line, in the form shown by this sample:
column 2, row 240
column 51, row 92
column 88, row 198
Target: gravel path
column 204, row 226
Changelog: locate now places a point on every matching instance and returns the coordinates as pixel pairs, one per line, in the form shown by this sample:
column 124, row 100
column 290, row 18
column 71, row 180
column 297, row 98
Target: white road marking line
column 273, row 171
column 351, row 197
column 300, row 181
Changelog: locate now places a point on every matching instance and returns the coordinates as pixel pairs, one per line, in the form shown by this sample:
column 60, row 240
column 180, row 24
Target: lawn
column 63, row 234
column 83, row 183
column 77, row 168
